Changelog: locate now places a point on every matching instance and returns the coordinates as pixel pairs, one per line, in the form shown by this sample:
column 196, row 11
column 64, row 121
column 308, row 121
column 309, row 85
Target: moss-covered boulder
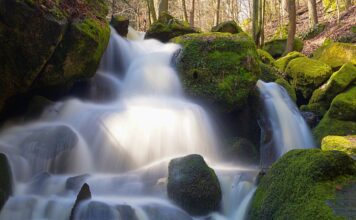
column 168, row 27
column 5, row 180
column 220, row 68
column 265, row 57
column 307, row 74
column 301, row 184
column 52, row 42
column 336, row 54
column 227, row 27
column 345, row 144
column 269, row 73
column 285, row 84
column 337, row 83
column 193, row 185
column 341, row 117
column 120, row 24
column 282, row 62
column 277, row 47
column 241, row 150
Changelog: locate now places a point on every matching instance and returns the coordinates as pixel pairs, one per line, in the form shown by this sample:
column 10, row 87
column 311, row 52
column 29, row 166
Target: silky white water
column 120, row 142
column 285, row 127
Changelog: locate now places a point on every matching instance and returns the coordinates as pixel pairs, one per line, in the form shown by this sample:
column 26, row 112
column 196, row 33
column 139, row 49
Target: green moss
column 313, row 32
column 277, row 47
column 227, row 26
column 345, row 144
column 288, row 88
column 265, row 57
column 281, row 32
column 307, row 74
column 221, row 68
column 269, row 73
column 353, row 29
column 337, row 83
column 343, row 106
column 300, row 183
column 319, row 108
column 282, row 62
column 336, row 54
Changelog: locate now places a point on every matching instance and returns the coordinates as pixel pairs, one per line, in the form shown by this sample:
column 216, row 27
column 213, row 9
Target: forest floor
column 334, row 30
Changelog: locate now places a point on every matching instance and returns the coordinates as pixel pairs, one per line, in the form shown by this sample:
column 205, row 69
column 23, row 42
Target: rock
column 193, row 185
column 5, row 180
column 269, row 73
column 337, row 83
column 306, row 75
column 313, row 32
column 36, row 107
column 75, row 182
column 283, row 62
column 168, row 27
column 319, row 108
column 277, row 47
column 345, row 144
column 120, row 24
column 127, row 212
column 340, row 119
column 310, row 118
column 336, row 54
column 265, row 57
column 227, row 27
column 242, row 150
column 84, row 194
column 290, row 90
column 300, row 183
column 219, row 68
column 58, row 44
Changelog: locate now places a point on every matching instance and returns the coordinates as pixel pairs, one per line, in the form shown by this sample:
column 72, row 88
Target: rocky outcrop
column 227, row 27
column 193, row 185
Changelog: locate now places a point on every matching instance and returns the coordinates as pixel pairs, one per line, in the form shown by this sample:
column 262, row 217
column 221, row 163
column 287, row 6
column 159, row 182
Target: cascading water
column 284, row 126
column 120, row 144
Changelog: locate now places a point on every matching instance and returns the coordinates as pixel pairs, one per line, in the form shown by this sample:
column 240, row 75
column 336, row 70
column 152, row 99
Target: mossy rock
column 307, row 74
column 168, row 27
column 336, row 54
column 341, row 117
column 220, row 68
column 265, row 57
column 241, row 150
column 277, row 47
column 345, row 144
column 120, row 24
column 319, row 108
column 43, row 31
column 301, row 184
column 193, row 185
column 291, row 92
column 282, row 62
column 227, row 27
column 269, row 73
column 5, row 180
column 313, row 32
column 281, row 32
column 337, row 83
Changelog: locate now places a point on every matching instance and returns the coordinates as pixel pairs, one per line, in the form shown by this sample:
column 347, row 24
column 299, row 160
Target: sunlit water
column 120, row 145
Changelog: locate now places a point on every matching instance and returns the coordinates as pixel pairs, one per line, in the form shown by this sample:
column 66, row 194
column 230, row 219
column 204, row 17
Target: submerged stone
column 193, row 185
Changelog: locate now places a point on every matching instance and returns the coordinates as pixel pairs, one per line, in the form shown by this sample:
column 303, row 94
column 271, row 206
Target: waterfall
column 119, row 141
column 284, row 126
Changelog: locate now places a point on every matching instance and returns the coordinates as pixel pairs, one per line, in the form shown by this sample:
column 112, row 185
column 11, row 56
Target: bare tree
column 163, row 7
column 313, row 14
column 292, row 16
column 192, row 14
column 152, row 10
column 255, row 21
column 185, row 14
column 218, row 13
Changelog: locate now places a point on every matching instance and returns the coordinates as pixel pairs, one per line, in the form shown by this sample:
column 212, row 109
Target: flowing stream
column 119, row 141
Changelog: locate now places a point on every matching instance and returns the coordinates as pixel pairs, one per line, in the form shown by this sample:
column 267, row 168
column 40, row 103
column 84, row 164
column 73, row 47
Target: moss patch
column 299, row 185
column 336, row 54
column 220, row 68
column 343, row 106
column 228, row 27
column 307, row 74
column 265, row 57
column 282, row 62
column 277, row 47
column 345, row 144
column 282, row 82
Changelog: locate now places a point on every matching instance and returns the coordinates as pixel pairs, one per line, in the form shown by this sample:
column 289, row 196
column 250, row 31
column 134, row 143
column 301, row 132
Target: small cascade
column 119, row 140
column 283, row 126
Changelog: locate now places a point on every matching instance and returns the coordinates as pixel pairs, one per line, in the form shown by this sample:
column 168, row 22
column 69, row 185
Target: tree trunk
column 163, row 7
column 348, row 4
column 192, row 14
column 313, row 15
column 218, row 13
column 262, row 27
column 152, row 10
column 292, row 25
column 338, row 10
column 185, row 14
column 255, row 21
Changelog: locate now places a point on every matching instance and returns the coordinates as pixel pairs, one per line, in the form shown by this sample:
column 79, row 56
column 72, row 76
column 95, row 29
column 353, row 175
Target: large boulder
column 49, row 44
column 120, row 24
column 168, row 27
column 287, row 86
column 336, row 54
column 265, row 57
column 277, row 47
column 283, row 62
column 227, row 27
column 340, row 119
column 301, row 184
column 345, row 144
column 219, row 68
column 306, row 75
column 193, row 185
column 5, row 180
